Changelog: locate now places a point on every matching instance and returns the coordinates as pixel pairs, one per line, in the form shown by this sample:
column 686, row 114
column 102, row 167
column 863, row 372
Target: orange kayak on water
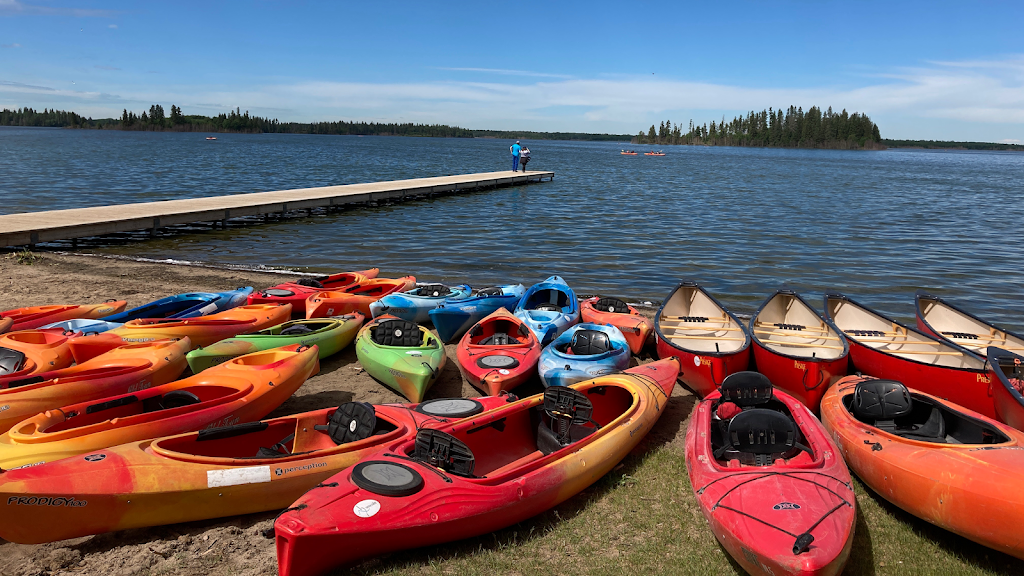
column 241, row 469
column 355, row 298
column 935, row 459
column 121, row 371
column 201, row 331
column 36, row 316
column 28, row 352
column 241, row 390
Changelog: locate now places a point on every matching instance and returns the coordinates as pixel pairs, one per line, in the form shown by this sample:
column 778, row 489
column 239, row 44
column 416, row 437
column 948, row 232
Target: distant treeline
column 156, row 119
column 792, row 128
column 944, row 145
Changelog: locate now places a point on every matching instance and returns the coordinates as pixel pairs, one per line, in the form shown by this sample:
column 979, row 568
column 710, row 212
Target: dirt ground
column 228, row 546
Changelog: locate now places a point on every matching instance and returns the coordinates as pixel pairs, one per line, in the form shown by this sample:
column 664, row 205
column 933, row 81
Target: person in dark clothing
column 524, row 157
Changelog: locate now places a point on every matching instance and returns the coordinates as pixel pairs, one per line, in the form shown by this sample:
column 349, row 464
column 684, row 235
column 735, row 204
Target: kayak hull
column 453, row 319
column 548, row 324
column 494, row 368
column 37, row 316
column 410, row 371
column 295, row 294
column 355, row 298
column 415, row 308
column 44, row 350
column 557, row 368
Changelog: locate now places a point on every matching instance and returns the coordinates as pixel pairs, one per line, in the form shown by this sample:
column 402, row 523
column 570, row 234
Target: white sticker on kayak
column 503, row 372
column 237, row 476
column 696, row 361
column 366, row 508
column 208, row 309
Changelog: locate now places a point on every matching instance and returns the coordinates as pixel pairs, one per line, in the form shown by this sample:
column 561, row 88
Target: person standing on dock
column 514, row 149
column 524, row 157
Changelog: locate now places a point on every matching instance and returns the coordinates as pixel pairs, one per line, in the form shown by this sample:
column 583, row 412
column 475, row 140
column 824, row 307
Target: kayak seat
column 498, row 339
column 567, row 418
column 296, row 330
column 590, row 343
column 433, row 290
column 492, row 291
column 11, row 360
column 178, row 399
column 888, row 406
column 612, row 305
column 397, row 333
column 746, row 389
column 759, row 437
column 311, row 282
column 351, row 422
column 549, row 308
column 444, row 451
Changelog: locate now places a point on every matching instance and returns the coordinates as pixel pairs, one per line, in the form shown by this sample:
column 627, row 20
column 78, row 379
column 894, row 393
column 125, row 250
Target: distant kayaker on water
column 524, row 157
column 514, row 149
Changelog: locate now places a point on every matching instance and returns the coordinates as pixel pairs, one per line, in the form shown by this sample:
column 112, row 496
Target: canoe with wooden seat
column 38, row 316
column 355, row 298
column 937, row 317
column 1006, row 370
column 123, row 370
column 634, row 326
column 215, row 473
column 884, row 348
column 478, row 475
column 798, row 350
column 769, row 480
column 941, row 462
column 710, row 341
column 241, row 390
column 499, row 353
column 26, row 353
column 296, row 291
column 202, row 331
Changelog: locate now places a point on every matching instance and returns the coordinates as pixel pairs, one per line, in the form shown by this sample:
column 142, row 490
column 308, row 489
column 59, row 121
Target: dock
column 30, row 228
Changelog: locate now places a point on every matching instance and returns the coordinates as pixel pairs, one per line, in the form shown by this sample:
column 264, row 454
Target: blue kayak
column 85, row 325
column 583, row 352
column 549, row 308
column 416, row 304
column 189, row 305
column 453, row 318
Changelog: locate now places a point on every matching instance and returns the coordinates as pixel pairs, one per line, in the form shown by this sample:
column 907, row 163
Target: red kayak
column 798, row 350
column 884, row 348
column 475, row 476
column 770, row 481
column 295, row 292
column 710, row 341
column 499, row 353
column 37, row 316
column 1006, row 370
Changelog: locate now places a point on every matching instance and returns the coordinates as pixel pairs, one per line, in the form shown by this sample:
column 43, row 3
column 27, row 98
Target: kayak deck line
column 29, row 228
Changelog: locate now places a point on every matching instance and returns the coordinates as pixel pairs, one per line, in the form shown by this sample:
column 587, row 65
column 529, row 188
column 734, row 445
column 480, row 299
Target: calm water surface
column 876, row 225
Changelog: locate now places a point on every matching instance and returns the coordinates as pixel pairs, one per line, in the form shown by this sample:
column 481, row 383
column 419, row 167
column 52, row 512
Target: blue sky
column 938, row 70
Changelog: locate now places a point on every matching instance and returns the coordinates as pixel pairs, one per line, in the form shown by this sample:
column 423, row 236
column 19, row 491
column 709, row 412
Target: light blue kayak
column 85, row 325
column 416, row 304
column 188, row 305
column 583, row 352
column 453, row 318
column 549, row 308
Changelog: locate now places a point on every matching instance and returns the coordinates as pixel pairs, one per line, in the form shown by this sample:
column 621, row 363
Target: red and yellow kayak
column 939, row 461
column 201, row 331
column 355, row 298
column 241, row 390
column 634, row 326
column 474, row 476
column 28, row 352
column 36, row 316
column 295, row 292
column 122, row 370
column 240, row 469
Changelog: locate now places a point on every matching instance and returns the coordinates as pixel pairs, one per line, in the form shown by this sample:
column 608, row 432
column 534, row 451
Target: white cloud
column 17, row 8
column 505, row 72
column 1010, row 141
column 15, row 45
column 113, row 26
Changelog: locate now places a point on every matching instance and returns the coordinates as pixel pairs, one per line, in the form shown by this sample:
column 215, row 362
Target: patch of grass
column 26, row 257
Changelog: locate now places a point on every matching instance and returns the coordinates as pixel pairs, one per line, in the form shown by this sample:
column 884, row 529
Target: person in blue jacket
column 514, row 149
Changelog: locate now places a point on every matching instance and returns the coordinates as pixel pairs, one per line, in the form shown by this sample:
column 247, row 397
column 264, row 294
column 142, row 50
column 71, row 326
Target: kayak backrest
column 590, row 343
column 296, row 330
column 311, row 282
column 177, row 399
column 444, row 451
column 746, row 389
column 567, row 414
column 433, row 290
column 491, row 291
column 397, row 333
column 11, row 360
column 765, row 434
column 613, row 305
column 881, row 400
column 351, row 422
column 498, row 339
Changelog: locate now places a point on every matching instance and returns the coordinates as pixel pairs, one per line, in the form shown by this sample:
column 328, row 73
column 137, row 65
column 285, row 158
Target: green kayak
column 400, row 354
column 330, row 335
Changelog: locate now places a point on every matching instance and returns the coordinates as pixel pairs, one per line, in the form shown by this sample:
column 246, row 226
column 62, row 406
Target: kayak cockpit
column 501, row 331
column 890, row 407
column 350, row 426
column 548, row 299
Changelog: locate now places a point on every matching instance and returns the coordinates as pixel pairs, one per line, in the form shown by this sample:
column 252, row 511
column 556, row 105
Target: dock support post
column 74, row 243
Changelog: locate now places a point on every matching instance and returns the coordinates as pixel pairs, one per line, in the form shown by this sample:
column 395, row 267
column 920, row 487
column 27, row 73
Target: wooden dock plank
column 52, row 225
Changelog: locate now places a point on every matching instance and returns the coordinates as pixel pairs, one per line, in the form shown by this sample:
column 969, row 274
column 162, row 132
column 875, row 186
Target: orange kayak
column 355, row 298
column 241, row 390
column 241, row 469
column 36, row 316
column 201, row 331
column 935, row 459
column 614, row 312
column 295, row 292
column 28, row 352
column 121, row 371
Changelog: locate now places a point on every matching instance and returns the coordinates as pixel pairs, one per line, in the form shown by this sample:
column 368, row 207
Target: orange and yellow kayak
column 241, row 469
column 201, row 331
column 28, row 352
column 36, row 316
column 241, row 390
column 122, row 370
column 355, row 298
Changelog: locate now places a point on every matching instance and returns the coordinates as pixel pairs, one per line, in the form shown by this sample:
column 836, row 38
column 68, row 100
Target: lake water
column 876, row 225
